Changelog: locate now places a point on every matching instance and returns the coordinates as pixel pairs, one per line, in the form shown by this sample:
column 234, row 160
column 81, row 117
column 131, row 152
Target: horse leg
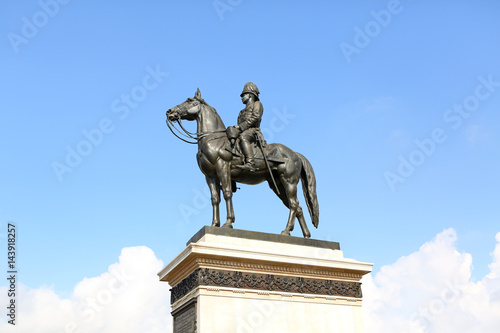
column 302, row 222
column 293, row 202
column 214, row 186
column 224, row 173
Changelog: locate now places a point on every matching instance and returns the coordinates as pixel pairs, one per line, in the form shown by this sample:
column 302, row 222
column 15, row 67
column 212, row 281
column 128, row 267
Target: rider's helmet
column 250, row 87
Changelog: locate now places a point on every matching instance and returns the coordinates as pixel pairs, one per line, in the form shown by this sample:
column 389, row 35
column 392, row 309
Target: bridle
column 186, row 135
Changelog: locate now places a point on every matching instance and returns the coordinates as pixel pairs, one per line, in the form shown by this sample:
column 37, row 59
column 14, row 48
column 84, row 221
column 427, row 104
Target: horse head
column 188, row 110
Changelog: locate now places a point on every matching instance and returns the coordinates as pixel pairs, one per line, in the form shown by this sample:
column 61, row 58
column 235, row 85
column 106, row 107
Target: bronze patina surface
column 240, row 154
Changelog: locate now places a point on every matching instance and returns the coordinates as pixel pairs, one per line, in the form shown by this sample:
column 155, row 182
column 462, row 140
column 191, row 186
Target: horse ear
column 198, row 94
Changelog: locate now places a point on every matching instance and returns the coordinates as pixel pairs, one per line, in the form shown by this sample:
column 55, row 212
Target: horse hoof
column 285, row 232
column 227, row 225
column 215, row 224
column 307, row 236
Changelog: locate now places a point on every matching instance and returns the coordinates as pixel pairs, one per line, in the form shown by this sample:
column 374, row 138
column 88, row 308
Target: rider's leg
column 246, row 147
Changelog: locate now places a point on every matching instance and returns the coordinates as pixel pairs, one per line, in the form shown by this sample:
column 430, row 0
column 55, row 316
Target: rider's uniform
column 249, row 121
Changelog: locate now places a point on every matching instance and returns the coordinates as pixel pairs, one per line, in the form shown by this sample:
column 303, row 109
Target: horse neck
column 209, row 120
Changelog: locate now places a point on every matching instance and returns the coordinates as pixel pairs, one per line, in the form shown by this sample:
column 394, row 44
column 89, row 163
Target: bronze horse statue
column 218, row 163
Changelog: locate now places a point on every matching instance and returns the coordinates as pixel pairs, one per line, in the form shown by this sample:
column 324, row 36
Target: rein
column 189, row 135
column 171, row 127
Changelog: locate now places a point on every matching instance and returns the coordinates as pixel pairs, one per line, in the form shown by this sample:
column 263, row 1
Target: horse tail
column 309, row 189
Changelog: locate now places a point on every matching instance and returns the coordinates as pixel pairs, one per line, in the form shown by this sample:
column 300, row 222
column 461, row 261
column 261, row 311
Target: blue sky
column 350, row 85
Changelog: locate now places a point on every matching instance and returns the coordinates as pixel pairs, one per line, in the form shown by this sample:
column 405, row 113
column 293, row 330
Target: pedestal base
column 240, row 281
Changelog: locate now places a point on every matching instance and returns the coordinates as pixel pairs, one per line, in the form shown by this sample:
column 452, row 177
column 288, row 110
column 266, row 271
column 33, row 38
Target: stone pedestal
column 229, row 280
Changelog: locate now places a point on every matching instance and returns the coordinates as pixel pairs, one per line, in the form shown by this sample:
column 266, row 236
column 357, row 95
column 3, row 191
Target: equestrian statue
column 240, row 154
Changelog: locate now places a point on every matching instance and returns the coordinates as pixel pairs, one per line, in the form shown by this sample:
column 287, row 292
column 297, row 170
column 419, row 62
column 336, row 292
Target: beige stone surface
column 224, row 309
column 248, row 254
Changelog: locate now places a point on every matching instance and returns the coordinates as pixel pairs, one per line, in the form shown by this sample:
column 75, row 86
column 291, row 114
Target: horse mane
column 202, row 101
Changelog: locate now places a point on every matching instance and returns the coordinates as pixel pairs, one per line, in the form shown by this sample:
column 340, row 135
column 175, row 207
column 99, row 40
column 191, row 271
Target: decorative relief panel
column 268, row 282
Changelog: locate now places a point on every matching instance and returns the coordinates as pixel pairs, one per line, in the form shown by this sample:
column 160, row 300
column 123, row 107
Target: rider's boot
column 246, row 147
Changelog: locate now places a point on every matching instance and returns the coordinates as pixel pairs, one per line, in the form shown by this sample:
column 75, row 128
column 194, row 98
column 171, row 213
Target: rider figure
column 249, row 122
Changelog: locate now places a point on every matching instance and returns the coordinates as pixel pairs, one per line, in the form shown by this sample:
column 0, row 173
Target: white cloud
column 495, row 265
column 431, row 290
column 128, row 298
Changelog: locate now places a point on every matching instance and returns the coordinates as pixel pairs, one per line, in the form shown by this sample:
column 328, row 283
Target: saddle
column 272, row 152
